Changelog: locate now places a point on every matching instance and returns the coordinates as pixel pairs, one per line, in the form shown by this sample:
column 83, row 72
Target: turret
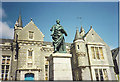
column 77, row 35
column 80, row 57
column 18, row 26
column 80, row 47
column 20, row 21
column 77, row 40
column 82, row 32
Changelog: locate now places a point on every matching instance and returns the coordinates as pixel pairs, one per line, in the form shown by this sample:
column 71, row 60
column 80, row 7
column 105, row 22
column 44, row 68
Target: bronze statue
column 58, row 37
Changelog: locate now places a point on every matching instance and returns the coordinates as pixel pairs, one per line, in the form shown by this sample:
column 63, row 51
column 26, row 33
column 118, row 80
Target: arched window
column 29, row 76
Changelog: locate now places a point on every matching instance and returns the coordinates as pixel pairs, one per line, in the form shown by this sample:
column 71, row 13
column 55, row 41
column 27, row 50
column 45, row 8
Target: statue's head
column 57, row 21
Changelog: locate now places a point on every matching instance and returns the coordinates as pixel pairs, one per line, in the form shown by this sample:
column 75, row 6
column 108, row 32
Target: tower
column 14, row 64
column 18, row 26
column 80, row 57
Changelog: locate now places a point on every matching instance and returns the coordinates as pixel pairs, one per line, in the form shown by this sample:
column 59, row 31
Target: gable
column 93, row 37
column 25, row 33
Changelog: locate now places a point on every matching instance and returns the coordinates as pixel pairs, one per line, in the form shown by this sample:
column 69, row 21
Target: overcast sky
column 103, row 16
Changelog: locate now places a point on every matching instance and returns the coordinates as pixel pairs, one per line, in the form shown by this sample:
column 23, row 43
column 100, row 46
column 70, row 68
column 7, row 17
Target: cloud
column 2, row 13
column 6, row 31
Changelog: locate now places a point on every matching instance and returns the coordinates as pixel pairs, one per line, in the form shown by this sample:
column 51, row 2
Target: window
column 8, row 61
column 46, row 78
column 96, row 73
column 6, row 71
column 101, row 52
column 15, row 56
column 30, row 54
column 101, row 74
column 78, row 46
column 5, row 67
column 46, row 68
column 3, row 56
column 47, row 62
column 97, row 53
column 31, row 35
column 29, row 62
column 3, row 61
column 2, row 71
column 105, row 74
column 46, row 74
column 93, row 53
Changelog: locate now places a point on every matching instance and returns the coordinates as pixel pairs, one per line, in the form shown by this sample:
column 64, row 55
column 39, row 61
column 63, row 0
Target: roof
column 87, row 32
column 44, row 42
column 47, row 43
column 115, row 53
column 23, row 34
column 77, row 35
column 20, row 21
column 50, row 43
column 6, row 40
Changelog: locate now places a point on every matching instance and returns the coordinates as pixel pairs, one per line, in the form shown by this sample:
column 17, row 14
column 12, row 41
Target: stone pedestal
column 60, row 66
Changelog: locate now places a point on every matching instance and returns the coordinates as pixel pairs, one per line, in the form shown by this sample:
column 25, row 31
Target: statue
column 58, row 37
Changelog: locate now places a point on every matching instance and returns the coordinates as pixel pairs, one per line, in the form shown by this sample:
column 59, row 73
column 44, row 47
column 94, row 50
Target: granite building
column 25, row 56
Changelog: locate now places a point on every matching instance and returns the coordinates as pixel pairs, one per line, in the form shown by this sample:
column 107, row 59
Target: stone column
column 60, row 66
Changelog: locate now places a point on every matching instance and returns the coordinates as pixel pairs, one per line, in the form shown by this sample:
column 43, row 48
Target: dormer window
column 31, row 34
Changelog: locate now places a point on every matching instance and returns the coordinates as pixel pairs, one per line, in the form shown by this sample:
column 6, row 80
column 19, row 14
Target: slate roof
column 77, row 35
column 115, row 53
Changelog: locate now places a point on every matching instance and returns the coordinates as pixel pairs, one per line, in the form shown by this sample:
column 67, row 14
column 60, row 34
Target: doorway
column 29, row 76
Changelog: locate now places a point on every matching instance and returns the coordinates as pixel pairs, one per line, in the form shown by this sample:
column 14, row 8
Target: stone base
column 60, row 66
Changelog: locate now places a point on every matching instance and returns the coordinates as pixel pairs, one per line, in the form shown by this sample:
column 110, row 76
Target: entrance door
column 29, row 76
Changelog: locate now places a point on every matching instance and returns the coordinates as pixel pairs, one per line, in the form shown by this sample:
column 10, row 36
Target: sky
column 103, row 16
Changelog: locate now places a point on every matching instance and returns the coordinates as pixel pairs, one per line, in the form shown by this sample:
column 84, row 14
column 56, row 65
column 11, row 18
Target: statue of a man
column 58, row 37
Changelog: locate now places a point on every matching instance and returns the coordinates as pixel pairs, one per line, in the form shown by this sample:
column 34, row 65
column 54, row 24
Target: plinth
column 60, row 66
